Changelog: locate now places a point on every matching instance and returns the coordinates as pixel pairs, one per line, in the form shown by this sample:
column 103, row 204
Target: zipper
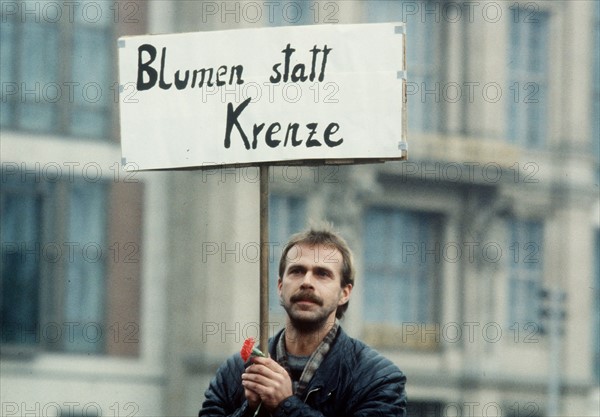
column 315, row 390
column 310, row 392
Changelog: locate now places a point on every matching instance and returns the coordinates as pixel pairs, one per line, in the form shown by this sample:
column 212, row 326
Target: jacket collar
column 327, row 375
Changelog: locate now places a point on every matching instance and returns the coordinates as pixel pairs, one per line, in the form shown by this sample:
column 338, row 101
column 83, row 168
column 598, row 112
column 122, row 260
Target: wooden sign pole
column 264, row 258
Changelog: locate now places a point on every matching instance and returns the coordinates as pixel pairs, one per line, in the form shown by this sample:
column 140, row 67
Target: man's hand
column 252, row 397
column 266, row 379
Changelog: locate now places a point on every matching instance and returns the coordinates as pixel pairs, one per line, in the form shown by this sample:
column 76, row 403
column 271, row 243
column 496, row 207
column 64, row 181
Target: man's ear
column 279, row 286
column 346, row 291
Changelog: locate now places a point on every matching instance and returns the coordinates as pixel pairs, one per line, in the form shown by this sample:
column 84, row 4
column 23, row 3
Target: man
column 314, row 369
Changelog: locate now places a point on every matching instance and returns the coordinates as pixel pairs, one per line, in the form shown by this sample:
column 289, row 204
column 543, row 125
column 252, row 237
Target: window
column 525, row 270
column 21, row 206
column 286, row 217
column 57, row 70
column 596, row 312
column 84, row 291
column 422, row 54
column 70, row 264
column 401, row 256
column 528, row 78
column 596, row 90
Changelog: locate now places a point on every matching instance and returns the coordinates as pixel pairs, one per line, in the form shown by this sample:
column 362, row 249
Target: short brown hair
column 325, row 237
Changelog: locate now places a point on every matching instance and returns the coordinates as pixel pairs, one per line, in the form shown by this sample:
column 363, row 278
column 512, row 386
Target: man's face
column 310, row 290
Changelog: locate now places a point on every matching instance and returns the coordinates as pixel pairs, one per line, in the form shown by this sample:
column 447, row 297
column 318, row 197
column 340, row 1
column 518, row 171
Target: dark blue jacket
column 352, row 381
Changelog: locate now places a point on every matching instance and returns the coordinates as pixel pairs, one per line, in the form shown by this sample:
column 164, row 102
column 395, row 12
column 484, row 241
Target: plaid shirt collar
column 314, row 361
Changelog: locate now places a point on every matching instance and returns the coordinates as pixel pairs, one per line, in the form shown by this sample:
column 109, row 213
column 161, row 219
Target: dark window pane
column 85, row 289
column 400, row 261
column 39, row 66
column 91, row 68
column 10, row 87
column 21, row 214
column 525, row 281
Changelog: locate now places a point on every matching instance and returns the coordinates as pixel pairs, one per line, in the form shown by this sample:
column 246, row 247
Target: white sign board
column 320, row 93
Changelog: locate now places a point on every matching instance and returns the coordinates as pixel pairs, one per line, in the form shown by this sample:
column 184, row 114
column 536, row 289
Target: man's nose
column 308, row 279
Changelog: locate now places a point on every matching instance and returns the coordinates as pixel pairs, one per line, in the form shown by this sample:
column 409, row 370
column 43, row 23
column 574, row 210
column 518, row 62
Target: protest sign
column 314, row 94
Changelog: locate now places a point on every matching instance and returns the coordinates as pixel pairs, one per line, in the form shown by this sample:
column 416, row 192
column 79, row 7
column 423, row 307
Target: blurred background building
column 479, row 266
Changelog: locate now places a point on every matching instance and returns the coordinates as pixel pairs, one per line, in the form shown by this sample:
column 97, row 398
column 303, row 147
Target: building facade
column 122, row 293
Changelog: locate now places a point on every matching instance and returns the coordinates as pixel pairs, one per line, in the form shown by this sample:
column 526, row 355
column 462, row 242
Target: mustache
column 306, row 296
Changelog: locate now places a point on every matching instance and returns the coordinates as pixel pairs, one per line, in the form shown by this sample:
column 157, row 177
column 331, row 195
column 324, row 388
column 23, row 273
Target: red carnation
column 246, row 351
column 249, row 350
